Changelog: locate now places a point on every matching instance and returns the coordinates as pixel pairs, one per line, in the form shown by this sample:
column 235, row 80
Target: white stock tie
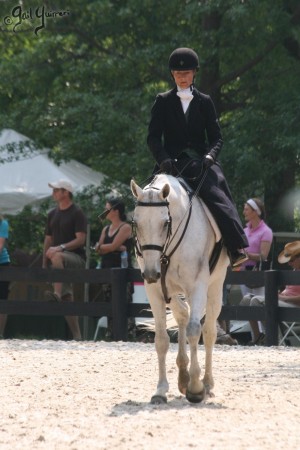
column 185, row 96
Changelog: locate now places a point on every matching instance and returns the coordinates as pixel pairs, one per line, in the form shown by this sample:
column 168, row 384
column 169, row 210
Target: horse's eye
column 166, row 224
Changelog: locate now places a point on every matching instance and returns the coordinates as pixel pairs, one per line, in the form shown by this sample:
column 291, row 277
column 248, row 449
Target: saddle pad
column 212, row 221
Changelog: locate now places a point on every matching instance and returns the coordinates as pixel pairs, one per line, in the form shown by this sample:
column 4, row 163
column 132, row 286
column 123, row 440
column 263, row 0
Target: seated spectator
column 64, row 243
column 114, row 242
column 260, row 238
column 289, row 297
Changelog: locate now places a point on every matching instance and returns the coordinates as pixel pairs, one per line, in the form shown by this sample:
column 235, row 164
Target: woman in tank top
column 116, row 237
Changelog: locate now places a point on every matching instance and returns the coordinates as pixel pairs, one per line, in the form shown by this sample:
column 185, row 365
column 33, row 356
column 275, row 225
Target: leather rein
column 164, row 258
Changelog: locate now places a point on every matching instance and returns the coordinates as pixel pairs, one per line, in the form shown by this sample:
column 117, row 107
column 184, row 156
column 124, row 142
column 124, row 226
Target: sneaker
column 237, row 258
column 260, row 340
column 226, row 339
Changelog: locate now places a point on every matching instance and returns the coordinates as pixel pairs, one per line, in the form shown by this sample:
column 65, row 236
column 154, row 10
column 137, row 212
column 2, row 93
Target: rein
column 165, row 259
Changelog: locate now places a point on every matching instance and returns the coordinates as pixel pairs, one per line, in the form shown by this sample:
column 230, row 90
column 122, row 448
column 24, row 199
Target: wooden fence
column 120, row 310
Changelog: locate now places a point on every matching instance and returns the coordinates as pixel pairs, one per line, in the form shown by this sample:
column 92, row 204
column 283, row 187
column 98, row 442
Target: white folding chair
column 289, row 329
column 101, row 323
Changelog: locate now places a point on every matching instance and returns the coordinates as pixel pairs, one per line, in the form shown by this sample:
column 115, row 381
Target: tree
column 84, row 85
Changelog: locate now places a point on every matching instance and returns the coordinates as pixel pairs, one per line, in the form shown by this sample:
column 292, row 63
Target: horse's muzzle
column 151, row 276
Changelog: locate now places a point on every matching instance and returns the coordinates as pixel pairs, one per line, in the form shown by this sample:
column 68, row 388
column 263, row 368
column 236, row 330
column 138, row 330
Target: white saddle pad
column 212, row 221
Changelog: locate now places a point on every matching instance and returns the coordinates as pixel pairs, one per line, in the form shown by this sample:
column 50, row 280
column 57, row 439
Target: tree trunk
column 280, row 207
column 210, row 72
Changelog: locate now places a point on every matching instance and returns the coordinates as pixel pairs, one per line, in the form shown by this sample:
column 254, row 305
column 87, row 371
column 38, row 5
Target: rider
column 184, row 137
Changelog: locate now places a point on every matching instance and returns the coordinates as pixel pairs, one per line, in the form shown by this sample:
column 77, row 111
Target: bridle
column 160, row 248
column 164, row 258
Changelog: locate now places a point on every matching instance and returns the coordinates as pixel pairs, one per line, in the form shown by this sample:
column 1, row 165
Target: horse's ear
column 165, row 191
column 135, row 189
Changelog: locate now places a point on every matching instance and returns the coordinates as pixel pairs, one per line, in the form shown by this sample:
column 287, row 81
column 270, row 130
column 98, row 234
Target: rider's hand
column 166, row 166
column 208, row 161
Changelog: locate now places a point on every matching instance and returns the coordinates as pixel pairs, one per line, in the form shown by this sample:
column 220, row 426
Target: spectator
column 4, row 261
column 65, row 237
column 114, row 240
column 116, row 237
column 289, row 297
column 260, row 238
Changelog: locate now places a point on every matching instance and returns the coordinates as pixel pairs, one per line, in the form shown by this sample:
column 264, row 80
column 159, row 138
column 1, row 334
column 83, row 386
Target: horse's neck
column 190, row 200
column 180, row 201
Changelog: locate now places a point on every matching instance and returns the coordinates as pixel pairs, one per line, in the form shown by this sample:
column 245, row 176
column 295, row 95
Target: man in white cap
column 65, row 237
column 289, row 297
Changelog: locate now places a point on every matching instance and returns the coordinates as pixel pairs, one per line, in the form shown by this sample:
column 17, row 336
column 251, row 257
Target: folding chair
column 101, row 323
column 288, row 330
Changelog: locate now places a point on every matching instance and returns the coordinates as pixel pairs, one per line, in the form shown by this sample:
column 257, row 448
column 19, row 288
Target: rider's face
column 183, row 78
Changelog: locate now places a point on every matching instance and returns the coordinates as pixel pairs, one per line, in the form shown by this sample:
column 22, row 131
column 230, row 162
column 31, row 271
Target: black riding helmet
column 183, row 59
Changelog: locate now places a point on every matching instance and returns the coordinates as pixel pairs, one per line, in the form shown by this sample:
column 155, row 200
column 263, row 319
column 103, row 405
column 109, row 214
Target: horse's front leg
column 196, row 389
column 162, row 342
column 180, row 310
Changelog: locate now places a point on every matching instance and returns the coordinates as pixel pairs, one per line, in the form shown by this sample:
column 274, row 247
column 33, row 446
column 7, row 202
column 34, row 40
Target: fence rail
column 120, row 310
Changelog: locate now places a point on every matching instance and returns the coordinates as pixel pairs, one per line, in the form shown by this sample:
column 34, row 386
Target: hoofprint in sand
column 86, row 395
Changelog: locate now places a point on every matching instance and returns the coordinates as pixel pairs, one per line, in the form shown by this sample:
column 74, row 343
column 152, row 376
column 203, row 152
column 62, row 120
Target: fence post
column 119, row 304
column 271, row 305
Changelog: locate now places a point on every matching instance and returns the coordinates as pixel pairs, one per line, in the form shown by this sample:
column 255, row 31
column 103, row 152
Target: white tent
column 25, row 181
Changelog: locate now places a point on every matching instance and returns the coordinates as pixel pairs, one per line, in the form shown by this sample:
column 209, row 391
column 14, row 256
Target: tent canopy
column 25, row 180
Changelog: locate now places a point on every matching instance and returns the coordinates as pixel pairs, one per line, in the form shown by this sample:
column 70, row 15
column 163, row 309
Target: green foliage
column 27, row 230
column 84, row 85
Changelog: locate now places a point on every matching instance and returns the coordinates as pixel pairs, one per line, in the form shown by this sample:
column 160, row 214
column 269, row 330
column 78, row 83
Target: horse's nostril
column 143, row 275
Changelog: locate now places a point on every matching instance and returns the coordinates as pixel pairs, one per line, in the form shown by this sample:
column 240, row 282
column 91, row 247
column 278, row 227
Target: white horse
column 175, row 239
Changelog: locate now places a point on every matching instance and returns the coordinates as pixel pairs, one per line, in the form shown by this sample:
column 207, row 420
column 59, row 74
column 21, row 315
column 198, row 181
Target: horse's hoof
column 195, row 398
column 158, row 399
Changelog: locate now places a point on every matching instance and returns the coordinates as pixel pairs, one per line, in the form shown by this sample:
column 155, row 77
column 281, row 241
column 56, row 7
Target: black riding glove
column 166, row 166
column 208, row 161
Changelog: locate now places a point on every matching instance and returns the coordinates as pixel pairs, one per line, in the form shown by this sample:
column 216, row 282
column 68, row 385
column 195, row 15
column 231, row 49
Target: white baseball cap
column 61, row 184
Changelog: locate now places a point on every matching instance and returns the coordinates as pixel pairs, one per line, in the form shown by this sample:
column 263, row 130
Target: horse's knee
column 193, row 329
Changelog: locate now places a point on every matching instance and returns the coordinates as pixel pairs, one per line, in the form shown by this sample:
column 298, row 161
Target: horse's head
column 153, row 225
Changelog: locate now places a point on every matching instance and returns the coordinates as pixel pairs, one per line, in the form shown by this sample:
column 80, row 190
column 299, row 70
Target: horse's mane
column 160, row 180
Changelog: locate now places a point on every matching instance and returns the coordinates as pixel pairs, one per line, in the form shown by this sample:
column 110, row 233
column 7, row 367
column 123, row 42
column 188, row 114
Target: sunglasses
column 104, row 214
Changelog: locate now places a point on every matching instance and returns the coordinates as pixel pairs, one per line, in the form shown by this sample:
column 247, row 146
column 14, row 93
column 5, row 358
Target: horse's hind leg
column 209, row 337
column 180, row 312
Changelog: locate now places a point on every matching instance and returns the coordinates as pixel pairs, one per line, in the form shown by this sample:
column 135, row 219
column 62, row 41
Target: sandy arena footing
column 86, row 395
